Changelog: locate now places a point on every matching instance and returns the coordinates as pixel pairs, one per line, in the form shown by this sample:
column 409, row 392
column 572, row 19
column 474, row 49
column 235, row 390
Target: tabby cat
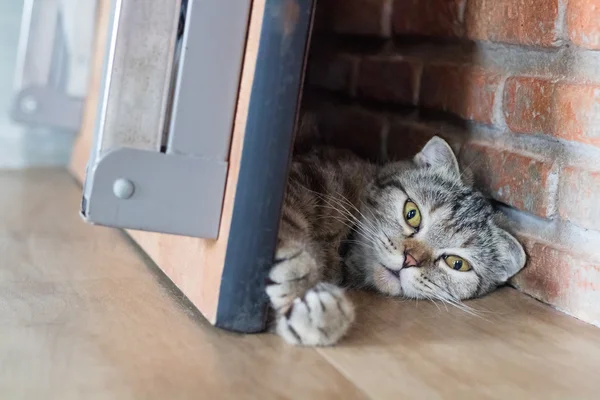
column 414, row 229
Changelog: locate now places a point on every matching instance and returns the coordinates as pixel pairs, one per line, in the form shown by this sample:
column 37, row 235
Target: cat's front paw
column 320, row 318
column 293, row 273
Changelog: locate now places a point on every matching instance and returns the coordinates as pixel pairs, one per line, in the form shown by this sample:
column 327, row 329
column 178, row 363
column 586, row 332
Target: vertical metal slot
column 165, row 118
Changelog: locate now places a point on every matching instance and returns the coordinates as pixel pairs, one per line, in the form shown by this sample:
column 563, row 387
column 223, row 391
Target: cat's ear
column 437, row 153
column 514, row 254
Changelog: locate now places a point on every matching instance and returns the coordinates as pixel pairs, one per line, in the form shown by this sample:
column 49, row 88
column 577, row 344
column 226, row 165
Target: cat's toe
column 292, row 265
column 281, row 295
column 293, row 272
column 320, row 318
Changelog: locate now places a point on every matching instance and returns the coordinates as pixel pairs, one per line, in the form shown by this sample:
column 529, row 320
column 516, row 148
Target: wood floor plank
column 84, row 316
column 514, row 347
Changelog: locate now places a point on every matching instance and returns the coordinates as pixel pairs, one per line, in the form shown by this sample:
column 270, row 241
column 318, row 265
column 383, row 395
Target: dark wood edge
column 266, row 154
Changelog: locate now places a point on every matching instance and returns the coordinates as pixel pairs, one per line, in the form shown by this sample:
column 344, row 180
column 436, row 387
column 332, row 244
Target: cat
column 414, row 229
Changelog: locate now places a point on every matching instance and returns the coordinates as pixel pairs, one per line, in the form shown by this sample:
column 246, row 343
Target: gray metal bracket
column 47, row 106
column 150, row 191
column 161, row 143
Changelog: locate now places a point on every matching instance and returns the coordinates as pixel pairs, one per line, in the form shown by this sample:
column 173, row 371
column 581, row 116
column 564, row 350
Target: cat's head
column 427, row 234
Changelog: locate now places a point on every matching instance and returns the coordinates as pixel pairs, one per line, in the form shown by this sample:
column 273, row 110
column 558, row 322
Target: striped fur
column 343, row 225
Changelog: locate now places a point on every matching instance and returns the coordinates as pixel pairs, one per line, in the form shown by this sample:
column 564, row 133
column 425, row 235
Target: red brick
column 465, row 91
column 528, row 104
column 406, row 138
column 561, row 279
column 528, row 22
column 392, row 79
column 357, row 17
column 428, row 17
column 578, row 197
column 583, row 21
column 336, row 72
column 577, row 113
column 515, row 179
column 354, row 128
column 547, row 275
column 564, row 110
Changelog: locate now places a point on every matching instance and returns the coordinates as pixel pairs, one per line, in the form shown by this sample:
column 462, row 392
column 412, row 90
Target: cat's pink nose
column 410, row 261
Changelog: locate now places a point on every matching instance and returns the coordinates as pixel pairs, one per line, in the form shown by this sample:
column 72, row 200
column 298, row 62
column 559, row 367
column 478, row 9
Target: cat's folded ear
column 437, row 153
column 514, row 255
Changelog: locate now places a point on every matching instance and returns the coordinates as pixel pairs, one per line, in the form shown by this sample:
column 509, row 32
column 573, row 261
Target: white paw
column 293, row 273
column 320, row 318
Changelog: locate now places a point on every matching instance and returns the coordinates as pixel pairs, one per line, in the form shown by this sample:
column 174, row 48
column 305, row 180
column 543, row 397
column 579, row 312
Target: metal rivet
column 29, row 104
column 123, row 188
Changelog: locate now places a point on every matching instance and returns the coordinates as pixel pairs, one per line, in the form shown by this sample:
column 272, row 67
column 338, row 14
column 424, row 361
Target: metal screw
column 29, row 104
column 123, row 188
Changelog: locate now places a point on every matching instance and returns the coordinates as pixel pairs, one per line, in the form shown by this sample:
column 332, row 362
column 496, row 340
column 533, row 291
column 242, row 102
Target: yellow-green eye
column 412, row 215
column 457, row 263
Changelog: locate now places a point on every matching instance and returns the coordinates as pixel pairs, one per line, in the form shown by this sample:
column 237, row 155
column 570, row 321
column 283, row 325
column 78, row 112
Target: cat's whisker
column 465, row 308
column 438, row 298
column 364, row 220
column 374, row 217
column 429, row 291
column 346, row 222
column 447, row 298
column 443, row 301
column 435, row 304
column 351, row 218
column 462, row 306
column 354, row 228
column 349, row 203
column 347, row 218
column 338, row 198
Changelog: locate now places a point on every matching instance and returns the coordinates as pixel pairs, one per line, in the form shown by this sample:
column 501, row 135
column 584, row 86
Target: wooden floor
column 85, row 316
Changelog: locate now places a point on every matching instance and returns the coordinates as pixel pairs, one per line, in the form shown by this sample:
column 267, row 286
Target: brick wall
column 513, row 85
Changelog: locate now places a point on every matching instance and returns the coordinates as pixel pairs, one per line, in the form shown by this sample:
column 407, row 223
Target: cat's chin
column 387, row 280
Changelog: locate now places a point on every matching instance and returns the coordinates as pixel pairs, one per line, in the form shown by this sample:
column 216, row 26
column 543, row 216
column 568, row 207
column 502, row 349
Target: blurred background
column 45, row 48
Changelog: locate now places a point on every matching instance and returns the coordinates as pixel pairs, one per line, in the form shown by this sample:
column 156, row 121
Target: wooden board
column 507, row 346
column 85, row 315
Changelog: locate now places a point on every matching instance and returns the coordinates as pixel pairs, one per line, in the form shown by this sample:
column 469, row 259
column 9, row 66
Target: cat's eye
column 457, row 263
column 412, row 215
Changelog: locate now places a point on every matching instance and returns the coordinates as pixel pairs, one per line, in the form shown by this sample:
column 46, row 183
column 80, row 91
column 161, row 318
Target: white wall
column 19, row 146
